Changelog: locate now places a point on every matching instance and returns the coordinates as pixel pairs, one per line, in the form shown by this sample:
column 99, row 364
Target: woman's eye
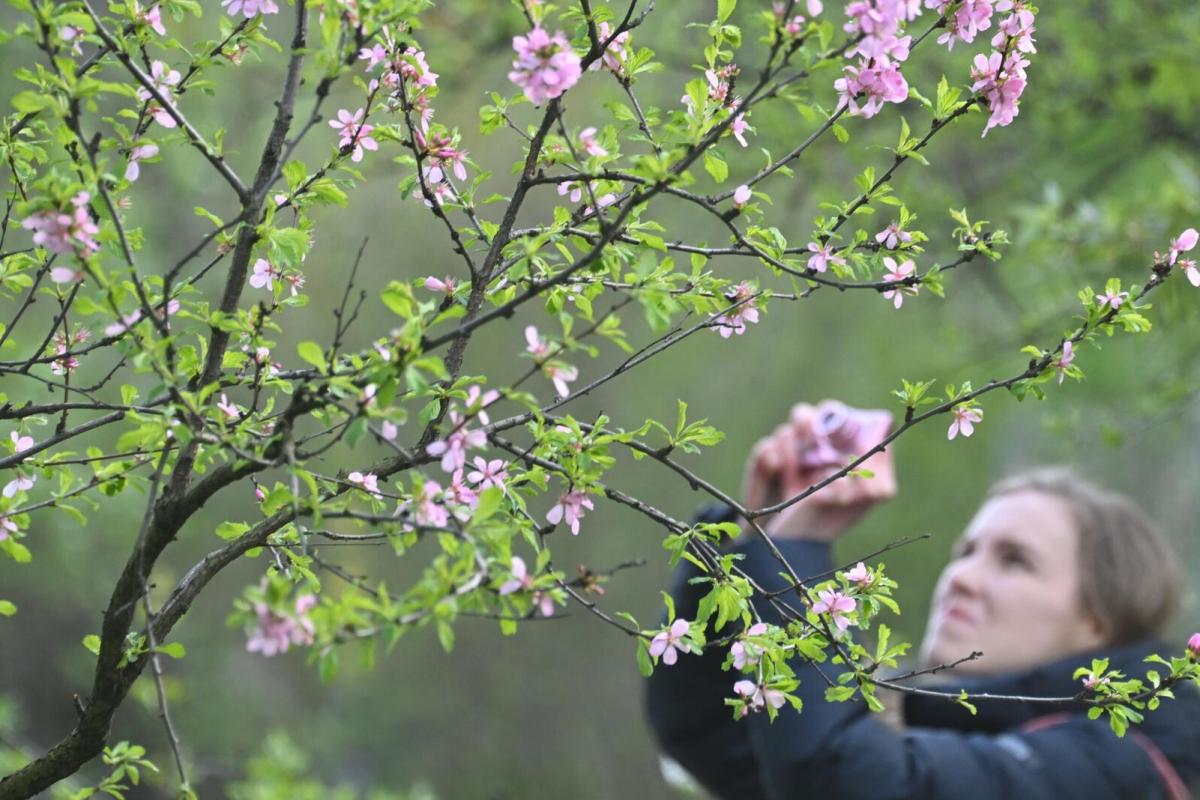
column 1013, row 558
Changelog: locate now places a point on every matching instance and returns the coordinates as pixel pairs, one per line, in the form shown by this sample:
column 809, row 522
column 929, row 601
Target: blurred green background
column 1101, row 168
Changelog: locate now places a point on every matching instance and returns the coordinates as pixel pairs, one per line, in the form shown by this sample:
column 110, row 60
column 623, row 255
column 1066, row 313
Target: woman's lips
column 958, row 615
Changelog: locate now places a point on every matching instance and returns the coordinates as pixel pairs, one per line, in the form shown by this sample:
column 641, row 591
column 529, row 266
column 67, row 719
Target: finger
column 801, row 421
column 759, row 474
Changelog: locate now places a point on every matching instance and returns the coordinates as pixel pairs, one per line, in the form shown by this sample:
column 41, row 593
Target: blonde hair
column 1130, row 579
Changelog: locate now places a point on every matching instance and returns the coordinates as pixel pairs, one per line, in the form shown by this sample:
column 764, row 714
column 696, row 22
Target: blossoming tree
column 174, row 368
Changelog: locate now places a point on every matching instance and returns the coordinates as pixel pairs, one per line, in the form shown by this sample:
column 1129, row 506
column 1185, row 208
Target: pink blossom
column 275, row 632
column 414, row 68
column 836, row 604
column 447, row 286
column 734, row 322
column 296, row 281
column 985, row 70
column 795, row 26
column 1182, row 244
column 535, row 345
column 260, row 494
column 65, row 274
column 453, row 449
column 460, row 493
column 153, row 17
column 615, row 54
column 7, row 528
column 65, row 363
column 898, row 273
column 19, row 484
column 665, row 644
column 488, row 473
column 373, row 55
column 74, row 36
column 965, row 419
column 968, row 19
column 575, row 188
column 878, row 80
column 744, row 653
column 430, row 513
column 1001, row 84
column 604, row 201
column 822, row 256
column 587, row 138
column 1017, row 26
column 521, row 580
column 718, row 82
column 388, row 430
column 442, row 155
column 1064, row 361
column 1193, row 646
column 757, row 697
column 1188, row 265
column 65, row 233
column 741, row 196
column 127, row 321
column 546, row 66
column 892, row 235
column 544, row 602
column 250, row 8
column 20, row 443
column 353, row 131
column 738, row 128
column 1112, row 299
column 570, row 507
column 137, row 154
column 478, row 401
column 368, row 482
column 859, row 574
column 262, row 274
column 228, row 408
column 561, row 375
column 163, row 78
column 369, row 392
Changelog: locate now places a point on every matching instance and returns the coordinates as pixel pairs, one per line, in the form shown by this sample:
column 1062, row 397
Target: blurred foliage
column 1101, row 168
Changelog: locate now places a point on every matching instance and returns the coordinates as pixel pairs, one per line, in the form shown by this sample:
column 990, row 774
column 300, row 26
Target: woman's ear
column 1095, row 631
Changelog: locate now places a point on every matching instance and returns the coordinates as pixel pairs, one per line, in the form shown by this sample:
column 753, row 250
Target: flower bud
column 1193, row 647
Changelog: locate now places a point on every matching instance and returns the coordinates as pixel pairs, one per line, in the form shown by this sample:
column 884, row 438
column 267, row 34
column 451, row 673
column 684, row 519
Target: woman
column 1050, row 573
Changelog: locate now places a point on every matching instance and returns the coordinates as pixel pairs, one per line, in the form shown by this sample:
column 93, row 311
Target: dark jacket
column 842, row 750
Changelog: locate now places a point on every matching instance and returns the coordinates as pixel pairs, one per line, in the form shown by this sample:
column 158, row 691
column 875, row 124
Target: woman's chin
column 944, row 647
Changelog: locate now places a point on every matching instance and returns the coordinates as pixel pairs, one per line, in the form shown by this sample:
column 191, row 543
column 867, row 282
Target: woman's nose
column 964, row 576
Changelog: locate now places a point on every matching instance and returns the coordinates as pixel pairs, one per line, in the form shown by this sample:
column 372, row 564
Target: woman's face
column 1012, row 590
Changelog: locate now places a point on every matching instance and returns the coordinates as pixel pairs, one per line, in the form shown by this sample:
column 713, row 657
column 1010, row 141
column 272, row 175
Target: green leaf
column 645, row 665
column 489, row 501
column 313, row 354
column 715, row 167
column 398, row 297
column 231, row 530
column 30, row 102
column 294, row 172
column 355, row 431
column 445, row 633
column 724, row 9
column 7, row 608
column 92, row 643
column 172, row 649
